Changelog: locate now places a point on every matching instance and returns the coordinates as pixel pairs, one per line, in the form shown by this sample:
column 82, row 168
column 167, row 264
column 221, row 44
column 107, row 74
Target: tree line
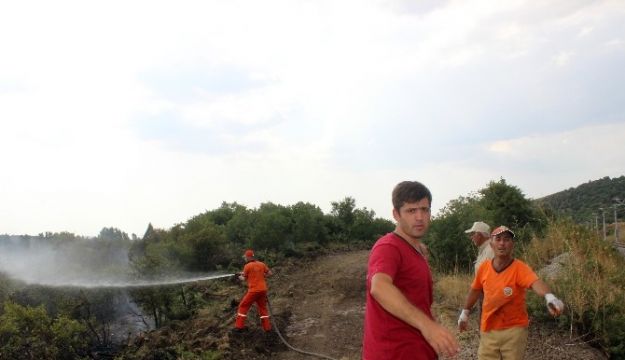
column 215, row 239
column 582, row 203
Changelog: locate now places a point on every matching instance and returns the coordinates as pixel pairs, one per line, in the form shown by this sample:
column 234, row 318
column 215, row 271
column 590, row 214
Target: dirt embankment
column 318, row 305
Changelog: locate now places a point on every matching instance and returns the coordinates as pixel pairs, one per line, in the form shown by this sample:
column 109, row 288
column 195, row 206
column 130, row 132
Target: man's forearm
column 394, row 301
column 540, row 288
column 472, row 298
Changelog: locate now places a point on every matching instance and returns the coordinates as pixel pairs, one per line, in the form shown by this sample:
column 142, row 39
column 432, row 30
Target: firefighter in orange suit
column 254, row 272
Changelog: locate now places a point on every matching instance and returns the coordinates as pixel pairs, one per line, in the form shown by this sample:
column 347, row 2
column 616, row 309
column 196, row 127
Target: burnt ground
column 318, row 306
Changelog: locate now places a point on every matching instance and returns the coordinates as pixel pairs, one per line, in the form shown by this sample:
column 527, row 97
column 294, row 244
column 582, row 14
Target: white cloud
column 562, row 58
column 585, row 31
column 615, row 43
column 556, row 161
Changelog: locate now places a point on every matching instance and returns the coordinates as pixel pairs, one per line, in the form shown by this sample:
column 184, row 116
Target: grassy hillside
column 583, row 202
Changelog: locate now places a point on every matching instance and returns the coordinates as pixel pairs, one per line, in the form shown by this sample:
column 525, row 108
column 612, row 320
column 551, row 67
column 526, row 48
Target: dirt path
column 326, row 300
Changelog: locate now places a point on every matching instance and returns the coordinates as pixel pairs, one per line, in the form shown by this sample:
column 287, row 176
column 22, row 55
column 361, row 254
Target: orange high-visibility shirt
column 254, row 272
column 504, row 294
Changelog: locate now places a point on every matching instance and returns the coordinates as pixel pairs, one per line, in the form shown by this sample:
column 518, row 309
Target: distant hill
column 582, row 203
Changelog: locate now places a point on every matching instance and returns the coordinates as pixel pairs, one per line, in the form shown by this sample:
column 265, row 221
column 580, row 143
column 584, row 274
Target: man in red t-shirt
column 503, row 282
column 398, row 319
column 254, row 272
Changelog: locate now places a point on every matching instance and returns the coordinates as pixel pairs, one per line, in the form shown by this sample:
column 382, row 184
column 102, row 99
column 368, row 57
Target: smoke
column 87, row 263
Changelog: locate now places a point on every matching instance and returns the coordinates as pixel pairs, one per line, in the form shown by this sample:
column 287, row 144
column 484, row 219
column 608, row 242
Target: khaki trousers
column 507, row 344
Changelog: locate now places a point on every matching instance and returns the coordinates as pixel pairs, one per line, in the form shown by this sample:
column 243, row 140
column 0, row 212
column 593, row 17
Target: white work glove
column 554, row 305
column 241, row 277
column 463, row 320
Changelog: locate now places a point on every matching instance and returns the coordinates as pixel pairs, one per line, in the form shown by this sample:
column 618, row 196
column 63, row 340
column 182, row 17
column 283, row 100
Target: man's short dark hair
column 410, row 191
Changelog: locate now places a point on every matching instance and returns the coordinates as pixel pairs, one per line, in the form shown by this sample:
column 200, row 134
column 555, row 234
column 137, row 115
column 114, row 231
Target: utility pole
column 597, row 224
column 615, row 225
column 617, row 202
column 603, row 220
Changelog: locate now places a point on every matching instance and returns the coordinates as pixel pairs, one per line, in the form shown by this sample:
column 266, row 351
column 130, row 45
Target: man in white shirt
column 480, row 235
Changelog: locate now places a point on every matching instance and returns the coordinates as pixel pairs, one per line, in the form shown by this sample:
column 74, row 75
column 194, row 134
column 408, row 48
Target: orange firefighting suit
column 254, row 272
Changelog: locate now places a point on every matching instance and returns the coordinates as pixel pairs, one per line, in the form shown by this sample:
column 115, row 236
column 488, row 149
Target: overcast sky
column 122, row 113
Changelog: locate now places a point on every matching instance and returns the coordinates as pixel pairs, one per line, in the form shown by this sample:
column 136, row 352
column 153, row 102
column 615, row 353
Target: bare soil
column 318, row 307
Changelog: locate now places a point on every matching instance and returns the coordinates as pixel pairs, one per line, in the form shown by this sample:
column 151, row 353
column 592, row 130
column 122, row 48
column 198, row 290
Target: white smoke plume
column 84, row 263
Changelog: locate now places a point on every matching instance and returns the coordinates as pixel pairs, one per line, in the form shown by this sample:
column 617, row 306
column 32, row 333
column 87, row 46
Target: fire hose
column 275, row 326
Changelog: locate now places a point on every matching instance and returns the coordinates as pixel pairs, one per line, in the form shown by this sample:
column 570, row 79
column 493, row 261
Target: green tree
column 225, row 213
column 496, row 204
column 449, row 245
column 204, row 247
column 365, row 227
column 272, row 227
column 343, row 211
column 508, row 206
column 69, row 338
column 240, row 227
column 308, row 223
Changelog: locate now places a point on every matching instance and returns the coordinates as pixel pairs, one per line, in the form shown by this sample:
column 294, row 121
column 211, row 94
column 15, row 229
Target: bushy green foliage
column 161, row 303
column 225, row 213
column 272, row 228
column 347, row 223
column 308, row 224
column 212, row 240
column 240, row 227
column 508, row 206
column 29, row 333
column 449, row 245
column 203, row 247
column 5, row 288
column 497, row 204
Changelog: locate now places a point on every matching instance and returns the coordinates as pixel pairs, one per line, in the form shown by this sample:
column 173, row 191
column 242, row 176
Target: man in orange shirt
column 503, row 282
column 254, row 272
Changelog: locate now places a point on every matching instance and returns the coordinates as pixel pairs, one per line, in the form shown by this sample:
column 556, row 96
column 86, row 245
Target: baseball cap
column 502, row 229
column 479, row 226
column 249, row 253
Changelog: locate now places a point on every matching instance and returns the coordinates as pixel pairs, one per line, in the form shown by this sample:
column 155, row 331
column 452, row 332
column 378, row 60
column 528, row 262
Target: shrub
column 29, row 333
column 591, row 282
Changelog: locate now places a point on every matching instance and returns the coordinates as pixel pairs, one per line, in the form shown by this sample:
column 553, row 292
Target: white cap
column 480, row 227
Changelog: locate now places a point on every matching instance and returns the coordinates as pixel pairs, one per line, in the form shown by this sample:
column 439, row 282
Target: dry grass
column 451, row 290
column 591, row 281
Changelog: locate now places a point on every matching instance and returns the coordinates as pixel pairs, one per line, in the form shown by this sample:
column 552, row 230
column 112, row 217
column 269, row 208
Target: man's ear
column 395, row 214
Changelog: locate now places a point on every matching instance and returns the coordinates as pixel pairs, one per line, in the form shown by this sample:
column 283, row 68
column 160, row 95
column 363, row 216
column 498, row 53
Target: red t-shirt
column 254, row 271
column 504, row 294
column 387, row 337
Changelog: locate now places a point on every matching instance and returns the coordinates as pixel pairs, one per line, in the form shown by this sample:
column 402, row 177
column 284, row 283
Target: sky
column 125, row 113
